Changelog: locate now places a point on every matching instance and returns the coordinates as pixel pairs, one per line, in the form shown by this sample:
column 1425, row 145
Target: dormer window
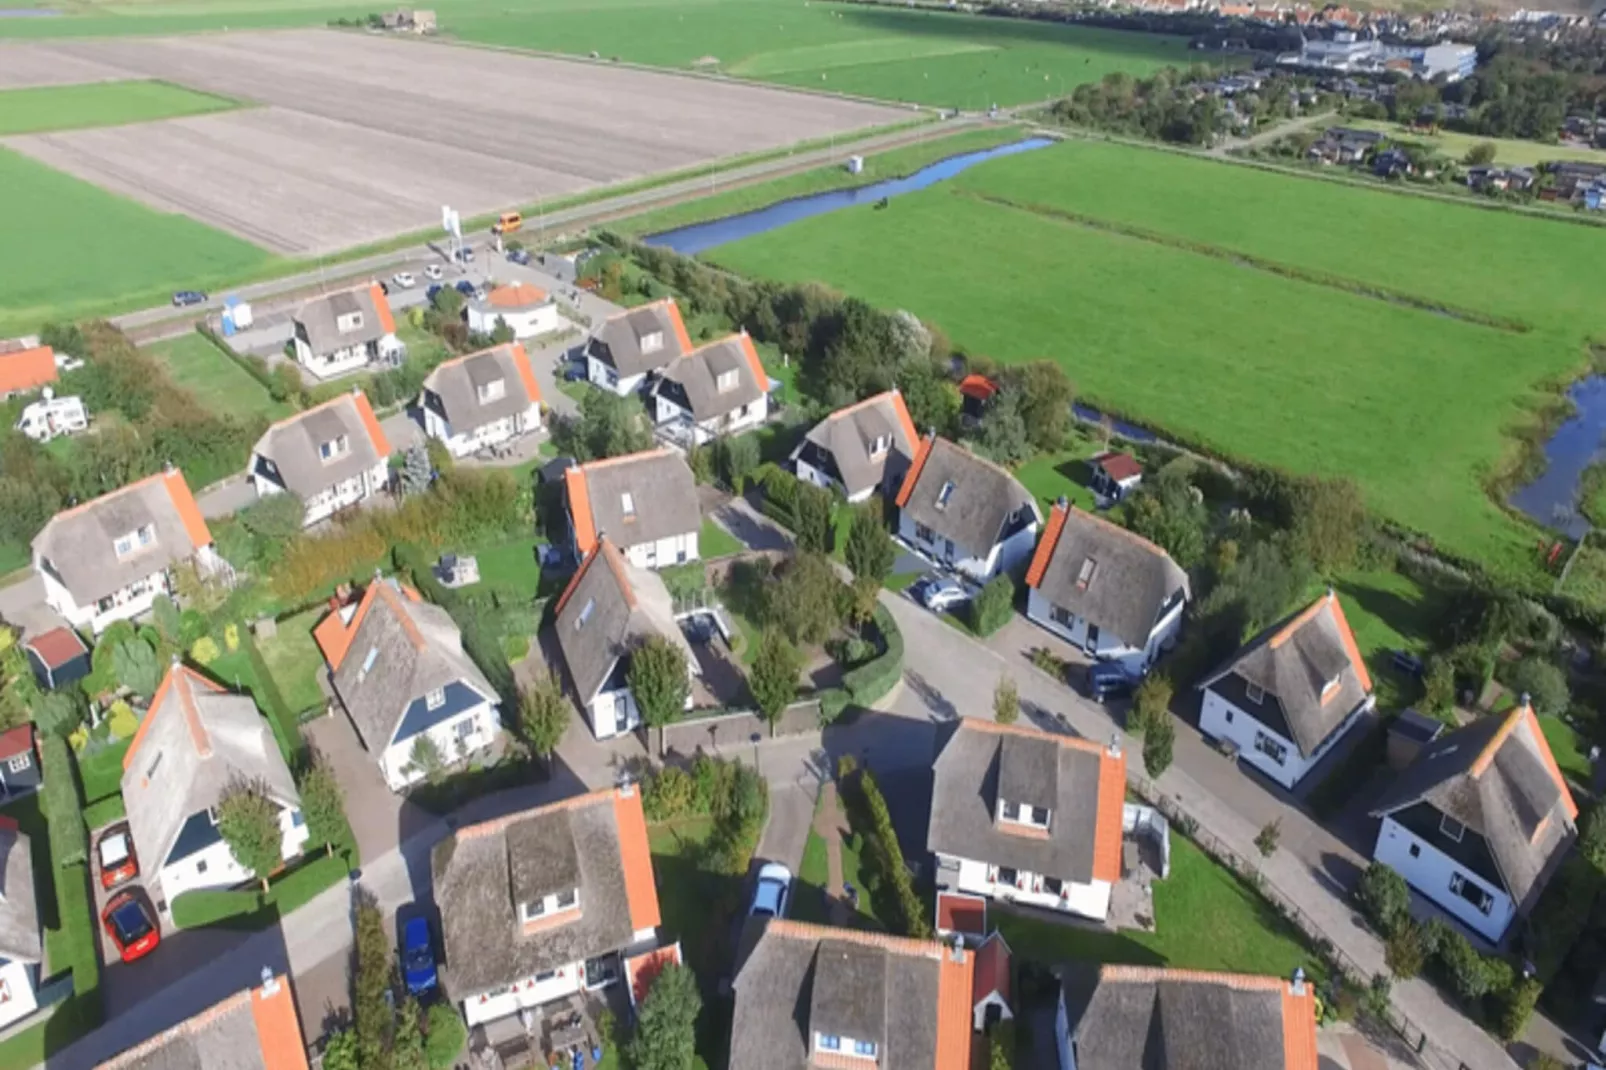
column 1021, row 814
column 882, row 444
column 136, row 540
column 585, row 613
column 368, row 663
column 1451, row 827
column 336, row 447
column 435, row 699
column 1254, row 693
column 494, row 390
column 1330, row 688
column 839, row 1045
column 1084, row 578
column 627, row 504
column 944, row 494
column 350, row 321
column 652, row 341
column 549, row 905
column 727, row 381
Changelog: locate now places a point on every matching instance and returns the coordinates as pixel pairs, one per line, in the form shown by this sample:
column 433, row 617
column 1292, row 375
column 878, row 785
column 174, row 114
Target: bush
column 875, row 679
column 1267, row 838
column 122, row 723
column 1464, row 968
column 1159, row 741
column 62, row 805
column 445, row 1036
column 1404, row 951
column 668, row 793
column 1543, row 682
column 993, row 605
column 1385, row 898
column 887, row 856
column 833, row 702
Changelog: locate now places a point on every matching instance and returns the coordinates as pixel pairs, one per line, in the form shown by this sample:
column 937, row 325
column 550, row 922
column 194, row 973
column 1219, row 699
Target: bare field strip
column 29, row 67
column 363, row 137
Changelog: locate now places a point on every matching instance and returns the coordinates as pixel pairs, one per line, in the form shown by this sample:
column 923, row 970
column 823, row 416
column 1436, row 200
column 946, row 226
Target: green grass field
column 68, row 248
column 70, row 107
column 217, row 382
column 1301, row 372
column 938, row 58
column 1511, row 152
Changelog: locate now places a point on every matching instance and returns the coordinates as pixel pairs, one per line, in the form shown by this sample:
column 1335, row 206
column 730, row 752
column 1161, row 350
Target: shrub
column 1403, row 950
column 1159, row 740
column 1151, row 703
column 446, row 1034
column 122, row 723
column 231, row 636
column 668, row 793
column 1266, row 839
column 1385, row 898
column 888, row 856
column 833, row 702
column 205, row 650
column 993, row 605
column 62, row 805
column 875, row 679
column 1544, row 683
column 1464, row 968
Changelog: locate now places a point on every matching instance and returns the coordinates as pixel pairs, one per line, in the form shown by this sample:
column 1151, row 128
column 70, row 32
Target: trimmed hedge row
column 872, row 681
column 63, row 808
column 865, row 797
column 256, row 369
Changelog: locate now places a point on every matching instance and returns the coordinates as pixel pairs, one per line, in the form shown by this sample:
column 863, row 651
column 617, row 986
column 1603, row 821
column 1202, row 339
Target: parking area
column 721, row 682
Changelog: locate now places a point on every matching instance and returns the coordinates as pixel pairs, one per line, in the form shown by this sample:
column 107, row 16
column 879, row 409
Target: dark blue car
column 465, row 288
column 418, row 956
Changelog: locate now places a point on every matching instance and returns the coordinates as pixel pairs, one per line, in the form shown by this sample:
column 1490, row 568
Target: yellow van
column 508, row 222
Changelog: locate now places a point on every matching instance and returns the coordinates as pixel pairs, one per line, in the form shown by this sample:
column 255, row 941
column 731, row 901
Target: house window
column 1090, row 567
column 435, row 699
column 296, row 820
column 492, row 391
column 585, row 613
column 864, row 1047
column 567, row 900
column 545, row 975
column 533, row 909
column 211, row 814
column 944, row 494
column 1416, row 850
column 467, row 727
column 883, row 443
column 1053, row 885
column 830, row 1042
column 200, row 867
column 1229, row 717
column 1471, row 893
column 1451, row 827
column 1254, row 693
column 18, row 764
column 1038, row 816
column 1330, row 688
column 1009, row 811
column 613, row 377
column 652, row 341
column 1063, row 617
column 1008, row 876
column 147, row 535
column 336, row 447
column 627, row 504
column 155, row 765
column 1271, row 748
column 351, row 321
column 368, row 663
column 925, row 534
column 727, row 382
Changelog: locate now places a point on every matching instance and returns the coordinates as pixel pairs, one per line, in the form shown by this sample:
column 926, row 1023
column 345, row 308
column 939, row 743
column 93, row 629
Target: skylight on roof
column 585, row 613
column 1090, row 569
column 627, row 504
column 368, row 662
column 944, row 494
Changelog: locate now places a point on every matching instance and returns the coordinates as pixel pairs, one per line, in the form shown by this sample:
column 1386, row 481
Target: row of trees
column 1170, row 106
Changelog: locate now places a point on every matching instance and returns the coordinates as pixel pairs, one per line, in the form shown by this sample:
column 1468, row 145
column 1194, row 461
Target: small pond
column 1133, row 432
column 1552, row 499
column 698, row 237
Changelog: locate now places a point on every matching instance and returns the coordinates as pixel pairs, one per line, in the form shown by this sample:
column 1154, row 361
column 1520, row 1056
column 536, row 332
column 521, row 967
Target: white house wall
column 17, row 988
column 1091, row 900
column 604, row 706
column 1429, row 872
column 810, row 474
column 398, row 756
column 330, row 500
column 543, row 319
column 524, row 994
column 340, row 362
column 663, row 552
column 215, row 867
column 1221, row 719
column 624, row 386
column 486, row 435
column 127, row 607
column 981, row 567
column 1110, row 647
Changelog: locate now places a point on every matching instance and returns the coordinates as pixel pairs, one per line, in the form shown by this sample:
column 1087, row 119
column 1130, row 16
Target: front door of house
column 1092, row 638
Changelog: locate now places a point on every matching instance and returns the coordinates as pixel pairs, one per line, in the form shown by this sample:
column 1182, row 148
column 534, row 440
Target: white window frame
column 1452, row 828
column 18, row 764
column 1271, row 747
column 435, row 699
column 1254, row 693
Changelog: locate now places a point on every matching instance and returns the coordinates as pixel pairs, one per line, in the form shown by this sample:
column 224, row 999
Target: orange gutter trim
column 188, row 512
column 1304, row 617
column 922, row 453
column 679, row 326
column 278, row 1028
column 497, row 824
column 904, row 419
column 382, row 308
column 1350, row 646
column 521, row 364
column 156, row 705
column 641, row 893
column 1108, row 817
column 757, row 366
column 977, row 724
column 1486, row 756
column 585, row 525
column 1046, row 545
column 376, row 434
column 1299, row 1028
column 1551, row 767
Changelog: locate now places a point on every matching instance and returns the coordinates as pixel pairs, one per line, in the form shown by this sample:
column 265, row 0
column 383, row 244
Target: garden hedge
column 63, row 807
column 888, row 855
column 875, row 679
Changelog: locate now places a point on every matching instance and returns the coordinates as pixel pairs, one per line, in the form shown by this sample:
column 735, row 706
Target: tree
column 426, row 758
column 373, row 983
column 1328, row 522
column 659, row 682
column 1480, row 155
column 340, row 1053
column 1543, row 682
column 665, row 1037
column 806, row 600
column 57, row 713
column 607, row 426
column 993, row 605
column 1158, row 740
column 502, row 334
column 773, row 680
column 1438, row 687
column 416, row 469
column 134, row 662
column 323, row 803
column 1592, row 836
column 869, row 551
column 1045, row 394
column 1268, row 837
column 165, row 615
column 544, row 714
column 447, row 301
column 738, row 456
column 407, row 1039
column 274, row 518
column 814, row 518
column 1003, row 434
column 1384, row 897
column 1170, row 513
column 248, row 821
column 1006, row 701
column 1151, row 704
column 446, row 1036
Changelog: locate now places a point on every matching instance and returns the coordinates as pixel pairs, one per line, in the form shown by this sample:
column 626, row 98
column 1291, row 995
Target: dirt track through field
column 366, row 137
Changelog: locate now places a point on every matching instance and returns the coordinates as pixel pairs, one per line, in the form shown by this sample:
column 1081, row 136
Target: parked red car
column 131, row 924
column 114, row 851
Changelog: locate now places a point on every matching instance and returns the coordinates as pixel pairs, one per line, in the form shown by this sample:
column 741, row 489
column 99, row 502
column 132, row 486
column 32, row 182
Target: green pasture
column 1314, row 378
column 69, row 248
column 69, row 107
column 1509, row 152
column 217, row 382
column 937, row 58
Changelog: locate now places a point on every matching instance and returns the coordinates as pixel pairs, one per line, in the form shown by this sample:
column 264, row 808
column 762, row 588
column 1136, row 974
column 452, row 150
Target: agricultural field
column 937, row 58
column 1292, row 358
column 218, row 383
column 69, row 107
column 69, row 248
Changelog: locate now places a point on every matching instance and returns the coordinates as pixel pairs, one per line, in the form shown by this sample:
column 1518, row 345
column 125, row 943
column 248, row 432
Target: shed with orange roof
column 1291, row 693
column 527, row 310
column 26, row 369
column 1028, row 816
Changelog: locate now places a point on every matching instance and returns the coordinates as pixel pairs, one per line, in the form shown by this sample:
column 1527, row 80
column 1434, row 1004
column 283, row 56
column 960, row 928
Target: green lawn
column 1205, row 919
column 813, row 879
column 1570, row 752
column 935, row 58
column 510, row 569
column 878, row 167
column 1388, row 611
column 217, row 382
column 68, row 107
column 1052, row 476
column 70, row 249
column 714, row 541
column 1246, row 362
column 1509, row 152
column 249, row 908
column 101, row 773
column 294, row 660
column 698, row 908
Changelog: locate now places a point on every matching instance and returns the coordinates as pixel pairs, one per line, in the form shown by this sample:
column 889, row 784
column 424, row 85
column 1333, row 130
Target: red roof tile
column 27, row 369
column 57, row 647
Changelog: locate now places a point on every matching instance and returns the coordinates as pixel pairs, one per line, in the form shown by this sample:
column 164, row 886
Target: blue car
column 429, row 294
column 519, row 256
column 465, row 288
column 418, row 956
column 184, row 298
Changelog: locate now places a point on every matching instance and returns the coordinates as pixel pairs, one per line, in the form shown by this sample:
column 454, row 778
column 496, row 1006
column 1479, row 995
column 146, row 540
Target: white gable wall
column 17, row 996
column 476, row 727
column 1108, row 646
column 1221, row 719
column 215, row 866
column 604, row 376
column 672, row 550
column 1429, row 871
column 1091, row 900
column 979, row 565
column 486, row 435
column 128, row 603
column 526, row 323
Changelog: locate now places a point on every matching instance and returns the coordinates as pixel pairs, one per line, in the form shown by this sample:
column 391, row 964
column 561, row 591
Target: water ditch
column 700, row 237
column 1552, row 498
